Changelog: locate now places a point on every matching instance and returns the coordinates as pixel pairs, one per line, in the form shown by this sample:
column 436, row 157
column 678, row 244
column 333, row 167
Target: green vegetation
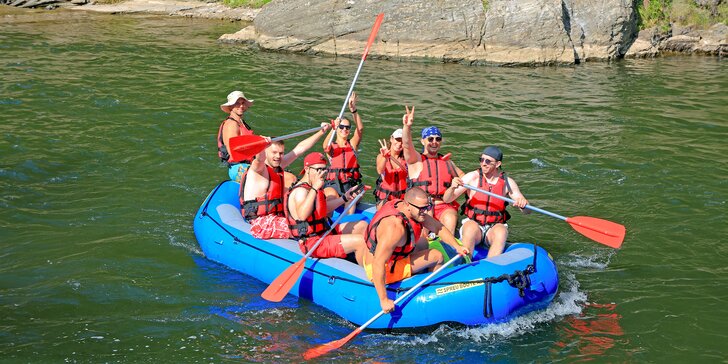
column 686, row 13
column 245, row 3
column 654, row 13
column 662, row 13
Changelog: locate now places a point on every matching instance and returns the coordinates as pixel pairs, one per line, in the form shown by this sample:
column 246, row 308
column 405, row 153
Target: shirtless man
column 265, row 184
column 392, row 236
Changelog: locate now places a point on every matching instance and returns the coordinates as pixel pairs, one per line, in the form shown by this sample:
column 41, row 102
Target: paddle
column 333, row 345
column 282, row 284
column 245, row 147
column 604, row 232
column 372, row 36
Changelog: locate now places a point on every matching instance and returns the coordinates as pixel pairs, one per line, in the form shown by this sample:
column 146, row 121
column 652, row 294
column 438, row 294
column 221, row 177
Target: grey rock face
column 507, row 32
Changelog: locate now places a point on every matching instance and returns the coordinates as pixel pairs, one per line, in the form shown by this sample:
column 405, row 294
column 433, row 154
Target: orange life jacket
column 436, row 175
column 222, row 152
column 485, row 209
column 412, row 228
column 271, row 202
column 344, row 164
column 394, row 182
column 315, row 224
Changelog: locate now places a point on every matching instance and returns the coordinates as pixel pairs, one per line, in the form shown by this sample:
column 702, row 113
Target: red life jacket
column 436, row 175
column 344, row 164
column 222, row 152
column 485, row 209
column 271, row 202
column 412, row 228
column 394, row 182
column 316, row 224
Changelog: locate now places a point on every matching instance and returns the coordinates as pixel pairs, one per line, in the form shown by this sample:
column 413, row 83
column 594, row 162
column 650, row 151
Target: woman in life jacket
column 344, row 173
column 392, row 170
column 237, row 104
column 486, row 216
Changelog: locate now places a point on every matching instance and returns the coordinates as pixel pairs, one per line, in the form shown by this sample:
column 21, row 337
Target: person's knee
column 497, row 234
column 435, row 256
column 360, row 228
column 330, row 193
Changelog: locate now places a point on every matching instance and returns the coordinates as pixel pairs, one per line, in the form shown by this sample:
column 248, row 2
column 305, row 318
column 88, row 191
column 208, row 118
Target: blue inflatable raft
column 522, row 279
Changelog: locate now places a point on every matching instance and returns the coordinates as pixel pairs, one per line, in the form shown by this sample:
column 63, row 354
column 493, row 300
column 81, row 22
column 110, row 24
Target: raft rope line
column 518, row 279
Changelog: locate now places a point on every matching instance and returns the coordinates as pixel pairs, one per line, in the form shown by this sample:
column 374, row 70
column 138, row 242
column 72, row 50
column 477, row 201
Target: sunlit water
column 107, row 141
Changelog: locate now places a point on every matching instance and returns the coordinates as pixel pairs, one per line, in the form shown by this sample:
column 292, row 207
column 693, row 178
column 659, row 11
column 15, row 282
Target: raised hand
column 352, row 101
column 317, row 179
column 409, row 117
column 325, row 126
column 384, row 150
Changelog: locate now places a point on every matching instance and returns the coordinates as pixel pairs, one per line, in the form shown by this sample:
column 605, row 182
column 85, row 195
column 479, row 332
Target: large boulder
column 507, row 32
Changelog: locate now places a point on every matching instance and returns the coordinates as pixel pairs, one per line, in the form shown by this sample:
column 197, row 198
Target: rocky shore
column 502, row 32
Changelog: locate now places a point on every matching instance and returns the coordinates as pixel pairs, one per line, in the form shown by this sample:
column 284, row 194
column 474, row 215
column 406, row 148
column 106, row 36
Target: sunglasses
column 319, row 169
column 399, row 140
column 427, row 207
column 434, row 139
column 344, row 127
column 487, row 161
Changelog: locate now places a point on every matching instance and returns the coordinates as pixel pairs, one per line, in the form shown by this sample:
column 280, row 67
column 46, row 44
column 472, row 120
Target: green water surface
column 107, row 138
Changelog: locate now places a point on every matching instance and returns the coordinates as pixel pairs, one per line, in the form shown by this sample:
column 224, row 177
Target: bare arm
column 457, row 189
column 387, row 233
column 459, row 171
column 229, row 130
column 303, row 146
column 382, row 156
column 359, row 131
column 516, row 195
column 258, row 163
column 330, row 136
column 410, row 153
column 381, row 163
column 303, row 203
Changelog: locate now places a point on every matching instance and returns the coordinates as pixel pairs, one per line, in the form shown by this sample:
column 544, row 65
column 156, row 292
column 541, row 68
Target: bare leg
column 449, row 218
column 354, row 227
column 330, row 193
column 471, row 234
column 496, row 236
column 355, row 243
column 430, row 259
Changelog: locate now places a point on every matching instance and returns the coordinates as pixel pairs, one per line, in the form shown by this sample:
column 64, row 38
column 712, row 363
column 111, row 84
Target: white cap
column 397, row 133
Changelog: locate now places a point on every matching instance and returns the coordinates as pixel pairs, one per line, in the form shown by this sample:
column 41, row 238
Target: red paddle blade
column 330, row 346
column 373, row 34
column 602, row 231
column 245, row 147
column 280, row 287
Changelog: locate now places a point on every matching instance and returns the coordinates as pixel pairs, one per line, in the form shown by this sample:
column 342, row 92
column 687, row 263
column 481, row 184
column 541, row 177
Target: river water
column 107, row 127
